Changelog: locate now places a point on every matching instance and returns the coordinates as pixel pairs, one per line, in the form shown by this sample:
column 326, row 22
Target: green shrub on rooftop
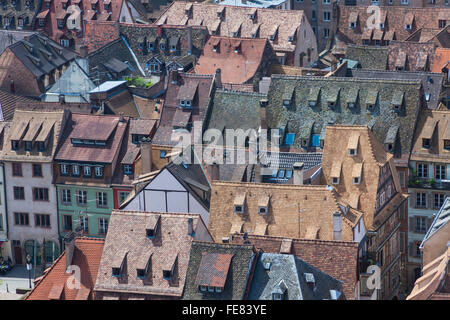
column 139, row 82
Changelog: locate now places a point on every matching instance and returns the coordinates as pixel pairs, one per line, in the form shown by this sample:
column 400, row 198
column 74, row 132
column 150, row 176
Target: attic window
column 140, row 273
column 408, row 27
column 352, row 25
column 382, row 26
column 352, row 152
column 116, row 272
column 335, row 180
column 15, row 144
column 446, row 144
column 238, row 209
column 426, row 143
column 356, row 180
column 152, row 227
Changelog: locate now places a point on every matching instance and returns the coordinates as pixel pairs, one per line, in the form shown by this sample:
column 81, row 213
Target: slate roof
column 37, row 48
column 230, row 266
column 394, row 18
column 431, row 82
column 292, row 273
column 373, row 58
column 380, row 119
column 235, row 110
column 339, row 259
column 8, row 37
column 127, row 241
column 236, row 67
column 114, row 50
column 8, row 102
column 98, row 127
column 314, row 204
column 286, row 22
column 138, row 36
column 86, row 255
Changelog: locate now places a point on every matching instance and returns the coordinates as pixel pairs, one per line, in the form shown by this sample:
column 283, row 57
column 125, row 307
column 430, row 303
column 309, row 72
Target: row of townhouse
column 63, row 172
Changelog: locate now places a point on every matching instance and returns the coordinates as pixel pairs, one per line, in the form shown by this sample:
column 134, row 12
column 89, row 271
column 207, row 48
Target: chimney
column 189, row 39
column 146, row 155
column 174, row 76
column 218, row 78
column 159, row 31
column 191, row 227
column 70, row 247
column 263, row 104
column 215, row 174
column 12, row 87
column 298, row 173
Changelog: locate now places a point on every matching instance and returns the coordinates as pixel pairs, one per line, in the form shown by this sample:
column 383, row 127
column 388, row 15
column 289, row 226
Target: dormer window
column 331, row 105
column 127, row 169
column 352, row 152
column 75, row 170
column 238, row 209
column 382, row 26
column 351, row 105
column 118, row 265
column 408, row 27
column 446, row 144
column 162, row 47
column 216, row 48
column 286, row 103
column 98, row 172
column 116, row 272
column 291, row 38
column 335, row 180
column 352, row 25
column 28, row 145
column 277, row 296
column 263, row 205
column 426, row 143
column 15, row 144
column 335, row 172
column 41, row 146
column 64, row 169
column 355, row 180
column 151, row 46
column 140, row 273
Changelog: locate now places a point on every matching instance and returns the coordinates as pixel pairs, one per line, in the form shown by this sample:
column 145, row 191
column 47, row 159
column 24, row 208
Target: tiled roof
column 284, row 22
column 288, row 275
column 435, row 280
column 100, row 33
column 8, row 103
column 123, row 103
column 314, row 205
column 338, row 259
column 239, row 60
column 395, row 20
column 380, row 118
column 50, row 122
column 419, row 56
column 127, row 242
column 95, row 127
column 373, row 58
column 433, row 125
column 441, row 59
column 87, row 254
column 371, row 155
column 8, row 37
column 431, row 82
column 200, row 103
column 219, row 265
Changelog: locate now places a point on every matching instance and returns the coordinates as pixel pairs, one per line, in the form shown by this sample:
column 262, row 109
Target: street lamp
column 29, row 267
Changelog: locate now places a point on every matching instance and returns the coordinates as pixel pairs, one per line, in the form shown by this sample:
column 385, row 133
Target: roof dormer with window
column 353, row 142
column 169, row 268
column 239, row 203
column 152, row 226
column 119, row 264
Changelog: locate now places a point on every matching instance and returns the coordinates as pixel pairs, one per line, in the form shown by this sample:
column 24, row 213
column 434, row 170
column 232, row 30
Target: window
column 66, row 196
column 122, row 196
column 60, row 23
column 21, row 219
column 167, row 275
column 326, row 1
column 402, row 178
column 335, row 180
column 422, row 170
column 1, row 222
column 28, row 145
column 262, row 210
column 203, row 288
column 352, row 152
column 382, row 26
column 381, row 257
column 15, row 145
column 17, row 169
column 389, row 190
column 438, row 200
column 238, row 209
column 102, row 199
column 42, row 21
column 426, row 143
column 81, row 197
column 37, row 170
column 64, row 169
column 75, row 170
column 442, row 23
column 40, row 194
column 382, row 198
column 42, row 220
column 84, row 224
column 87, row 171
column 421, row 200
column 162, row 47
column 356, row 180
column 19, row 193
column 313, row 16
column 102, row 226
column 289, row 139
column 67, row 222
column 326, row 16
column 326, row 33
column 421, row 224
column 98, row 171
column 408, row 27
column 440, row 172
column 140, row 273
column 162, row 153
column 116, row 272
column 127, row 169
column 404, row 1
column 447, row 144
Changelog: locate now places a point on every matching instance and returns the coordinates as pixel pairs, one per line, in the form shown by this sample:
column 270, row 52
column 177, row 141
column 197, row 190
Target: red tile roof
column 339, row 259
column 213, row 269
column 95, row 127
column 53, row 284
column 441, row 59
column 236, row 67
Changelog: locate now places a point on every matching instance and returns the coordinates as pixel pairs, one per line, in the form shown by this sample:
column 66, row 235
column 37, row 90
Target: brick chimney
column 298, row 173
column 146, row 155
column 218, row 78
column 159, row 31
column 189, row 40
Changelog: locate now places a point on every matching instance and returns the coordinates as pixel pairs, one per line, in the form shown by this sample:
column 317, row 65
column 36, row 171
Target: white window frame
column 99, row 171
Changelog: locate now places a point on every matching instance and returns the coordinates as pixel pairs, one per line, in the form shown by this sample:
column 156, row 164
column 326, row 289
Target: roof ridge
column 245, row 93
column 345, row 79
column 168, row 214
column 318, row 241
column 274, row 185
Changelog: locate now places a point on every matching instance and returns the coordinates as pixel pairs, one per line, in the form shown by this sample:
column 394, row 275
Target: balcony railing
column 429, row 183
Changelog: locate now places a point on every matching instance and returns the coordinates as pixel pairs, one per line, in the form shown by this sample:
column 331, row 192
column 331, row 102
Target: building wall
column 93, row 211
column 31, row 232
column 306, row 43
column 5, row 248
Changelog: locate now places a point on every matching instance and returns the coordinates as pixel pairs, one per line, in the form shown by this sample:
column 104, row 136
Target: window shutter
column 411, row 224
